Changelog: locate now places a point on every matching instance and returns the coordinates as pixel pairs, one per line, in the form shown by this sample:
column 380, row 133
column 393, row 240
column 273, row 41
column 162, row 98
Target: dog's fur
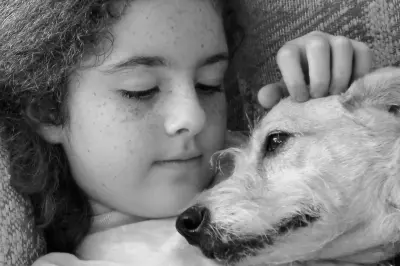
column 330, row 189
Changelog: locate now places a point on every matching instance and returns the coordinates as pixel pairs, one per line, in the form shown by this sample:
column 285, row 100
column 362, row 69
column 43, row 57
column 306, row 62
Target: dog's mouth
column 241, row 247
column 236, row 249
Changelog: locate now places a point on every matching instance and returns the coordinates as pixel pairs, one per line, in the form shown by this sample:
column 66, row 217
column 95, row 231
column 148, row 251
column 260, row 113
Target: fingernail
column 301, row 97
column 315, row 94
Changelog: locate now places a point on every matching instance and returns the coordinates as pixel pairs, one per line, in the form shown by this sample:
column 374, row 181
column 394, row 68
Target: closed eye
column 274, row 141
column 208, row 89
column 141, row 95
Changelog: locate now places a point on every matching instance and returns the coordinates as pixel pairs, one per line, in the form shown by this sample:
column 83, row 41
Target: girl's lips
column 180, row 161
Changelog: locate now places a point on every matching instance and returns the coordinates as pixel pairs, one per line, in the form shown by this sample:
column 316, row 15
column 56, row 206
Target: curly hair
column 42, row 43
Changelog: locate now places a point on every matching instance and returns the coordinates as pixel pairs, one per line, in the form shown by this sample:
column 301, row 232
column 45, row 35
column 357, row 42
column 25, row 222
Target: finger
column 341, row 65
column 289, row 62
column 268, row 96
column 362, row 60
column 318, row 57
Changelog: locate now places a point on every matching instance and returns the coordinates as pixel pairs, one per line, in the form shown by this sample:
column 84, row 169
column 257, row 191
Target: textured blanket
column 20, row 243
column 267, row 24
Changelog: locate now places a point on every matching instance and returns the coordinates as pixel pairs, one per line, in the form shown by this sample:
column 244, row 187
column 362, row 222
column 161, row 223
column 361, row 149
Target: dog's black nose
column 190, row 223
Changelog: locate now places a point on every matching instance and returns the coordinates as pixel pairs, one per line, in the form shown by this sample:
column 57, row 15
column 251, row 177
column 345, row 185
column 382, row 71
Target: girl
column 111, row 110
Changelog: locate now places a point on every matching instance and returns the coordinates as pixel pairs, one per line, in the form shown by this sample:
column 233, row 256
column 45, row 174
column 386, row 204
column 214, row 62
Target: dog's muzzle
column 195, row 225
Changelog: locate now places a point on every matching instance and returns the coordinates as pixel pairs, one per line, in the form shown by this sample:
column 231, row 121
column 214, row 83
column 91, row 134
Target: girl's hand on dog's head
column 316, row 65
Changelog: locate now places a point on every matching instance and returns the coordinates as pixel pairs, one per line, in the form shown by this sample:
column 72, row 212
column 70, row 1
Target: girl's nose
column 185, row 115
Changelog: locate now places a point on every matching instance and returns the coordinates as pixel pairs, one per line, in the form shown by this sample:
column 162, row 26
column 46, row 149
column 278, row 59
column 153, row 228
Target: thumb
column 269, row 95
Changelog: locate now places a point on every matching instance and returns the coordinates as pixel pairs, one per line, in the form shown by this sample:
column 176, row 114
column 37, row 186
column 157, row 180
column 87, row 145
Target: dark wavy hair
column 42, row 43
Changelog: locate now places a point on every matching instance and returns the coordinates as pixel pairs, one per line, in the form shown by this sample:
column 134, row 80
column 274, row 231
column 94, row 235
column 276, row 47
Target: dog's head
column 317, row 180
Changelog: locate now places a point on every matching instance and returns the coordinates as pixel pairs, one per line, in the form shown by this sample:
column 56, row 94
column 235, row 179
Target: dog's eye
column 274, row 141
column 394, row 109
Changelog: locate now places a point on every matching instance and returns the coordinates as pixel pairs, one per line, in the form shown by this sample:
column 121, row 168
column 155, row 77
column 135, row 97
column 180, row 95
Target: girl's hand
column 316, row 65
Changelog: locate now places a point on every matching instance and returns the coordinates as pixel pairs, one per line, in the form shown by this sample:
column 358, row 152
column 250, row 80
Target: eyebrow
column 220, row 57
column 158, row 61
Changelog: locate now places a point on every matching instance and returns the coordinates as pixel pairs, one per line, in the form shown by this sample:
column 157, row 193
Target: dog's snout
column 191, row 222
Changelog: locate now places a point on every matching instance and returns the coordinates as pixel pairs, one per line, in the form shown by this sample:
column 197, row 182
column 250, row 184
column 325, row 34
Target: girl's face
column 144, row 124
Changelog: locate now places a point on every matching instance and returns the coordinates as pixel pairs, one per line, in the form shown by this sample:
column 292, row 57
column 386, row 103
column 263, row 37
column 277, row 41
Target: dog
column 318, row 180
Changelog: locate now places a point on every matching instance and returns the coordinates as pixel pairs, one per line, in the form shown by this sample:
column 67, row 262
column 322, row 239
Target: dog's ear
column 379, row 89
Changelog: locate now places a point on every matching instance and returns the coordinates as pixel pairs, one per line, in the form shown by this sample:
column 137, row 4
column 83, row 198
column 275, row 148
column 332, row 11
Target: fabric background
column 268, row 24
column 20, row 243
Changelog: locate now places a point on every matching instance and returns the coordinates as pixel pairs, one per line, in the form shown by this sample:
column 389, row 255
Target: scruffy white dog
column 317, row 180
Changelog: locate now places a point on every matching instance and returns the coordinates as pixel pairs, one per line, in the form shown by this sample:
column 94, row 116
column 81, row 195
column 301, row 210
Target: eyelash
column 140, row 95
column 148, row 94
column 207, row 89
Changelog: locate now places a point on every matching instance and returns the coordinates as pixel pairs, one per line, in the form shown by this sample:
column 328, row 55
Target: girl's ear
column 44, row 119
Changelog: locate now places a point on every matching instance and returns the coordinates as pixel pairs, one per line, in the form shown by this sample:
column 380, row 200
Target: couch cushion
column 269, row 24
column 20, row 242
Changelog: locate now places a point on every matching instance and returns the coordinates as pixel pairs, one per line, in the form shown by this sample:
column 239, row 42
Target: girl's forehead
column 171, row 10
column 180, row 30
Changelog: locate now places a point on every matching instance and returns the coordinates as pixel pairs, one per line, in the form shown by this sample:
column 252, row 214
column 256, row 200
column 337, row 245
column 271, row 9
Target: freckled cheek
column 113, row 122
column 132, row 112
column 108, row 114
column 94, row 118
column 136, row 127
